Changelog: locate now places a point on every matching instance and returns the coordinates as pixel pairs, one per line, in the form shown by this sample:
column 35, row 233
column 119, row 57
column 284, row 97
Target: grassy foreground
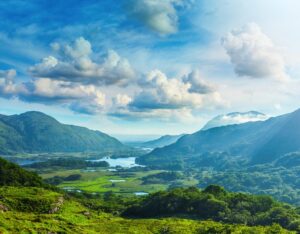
column 36, row 210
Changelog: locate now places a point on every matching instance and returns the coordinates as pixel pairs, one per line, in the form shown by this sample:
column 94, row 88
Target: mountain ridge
column 259, row 142
column 158, row 142
column 35, row 131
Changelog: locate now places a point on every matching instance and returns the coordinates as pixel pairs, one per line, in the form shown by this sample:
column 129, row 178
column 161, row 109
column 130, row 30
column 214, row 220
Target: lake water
column 24, row 162
column 121, row 162
column 117, row 181
column 141, row 193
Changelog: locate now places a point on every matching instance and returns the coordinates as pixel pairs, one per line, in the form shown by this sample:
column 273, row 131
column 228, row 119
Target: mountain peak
column 235, row 118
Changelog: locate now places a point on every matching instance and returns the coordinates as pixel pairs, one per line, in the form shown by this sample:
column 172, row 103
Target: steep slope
column 37, row 132
column 13, row 175
column 260, row 142
column 234, row 118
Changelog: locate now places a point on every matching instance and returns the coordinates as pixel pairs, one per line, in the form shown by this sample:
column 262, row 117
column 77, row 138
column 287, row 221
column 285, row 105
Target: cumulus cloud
column 7, row 83
column 160, row 16
column 198, row 84
column 121, row 100
column 253, row 53
column 80, row 98
column 162, row 97
column 163, row 93
column 76, row 65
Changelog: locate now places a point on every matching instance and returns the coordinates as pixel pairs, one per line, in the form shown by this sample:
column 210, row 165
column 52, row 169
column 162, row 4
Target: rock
column 57, row 205
column 3, row 208
column 86, row 213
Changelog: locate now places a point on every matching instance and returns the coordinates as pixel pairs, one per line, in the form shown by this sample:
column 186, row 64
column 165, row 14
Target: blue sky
column 148, row 67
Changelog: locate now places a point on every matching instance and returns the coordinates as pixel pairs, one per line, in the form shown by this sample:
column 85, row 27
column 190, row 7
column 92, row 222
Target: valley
column 115, row 185
column 149, row 117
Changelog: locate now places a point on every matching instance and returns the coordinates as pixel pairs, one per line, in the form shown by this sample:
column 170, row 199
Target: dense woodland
column 74, row 163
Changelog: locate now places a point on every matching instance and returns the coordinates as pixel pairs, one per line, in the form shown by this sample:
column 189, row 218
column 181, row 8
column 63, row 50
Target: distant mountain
column 235, row 118
column 160, row 142
column 37, row 132
column 259, row 142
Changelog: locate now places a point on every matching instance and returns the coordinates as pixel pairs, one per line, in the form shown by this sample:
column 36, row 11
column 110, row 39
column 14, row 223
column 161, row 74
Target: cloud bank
column 253, row 53
column 163, row 97
column 76, row 65
column 73, row 79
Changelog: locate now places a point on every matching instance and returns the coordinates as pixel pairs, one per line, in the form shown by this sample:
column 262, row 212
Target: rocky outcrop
column 56, row 206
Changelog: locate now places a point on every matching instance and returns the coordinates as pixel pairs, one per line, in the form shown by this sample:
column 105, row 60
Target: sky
column 148, row 67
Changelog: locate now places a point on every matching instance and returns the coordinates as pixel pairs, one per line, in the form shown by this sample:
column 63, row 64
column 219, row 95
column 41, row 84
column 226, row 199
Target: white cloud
column 160, row 16
column 162, row 93
column 7, row 83
column 235, row 118
column 162, row 97
column 76, row 65
column 198, row 84
column 80, row 98
column 253, row 53
column 121, row 100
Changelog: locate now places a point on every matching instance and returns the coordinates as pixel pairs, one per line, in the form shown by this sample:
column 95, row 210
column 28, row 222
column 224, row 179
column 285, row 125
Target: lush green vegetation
column 68, row 163
column 40, row 210
column 162, row 177
column 279, row 178
column 217, row 204
column 13, row 175
column 102, row 181
column 35, row 210
column 280, row 182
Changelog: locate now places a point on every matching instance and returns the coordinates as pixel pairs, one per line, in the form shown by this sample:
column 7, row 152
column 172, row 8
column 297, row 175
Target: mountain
column 160, row 142
column 234, row 118
column 258, row 142
column 37, row 132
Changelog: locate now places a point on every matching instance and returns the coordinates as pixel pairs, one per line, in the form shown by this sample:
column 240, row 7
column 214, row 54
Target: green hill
column 36, row 210
column 13, row 175
column 186, row 211
column 33, row 132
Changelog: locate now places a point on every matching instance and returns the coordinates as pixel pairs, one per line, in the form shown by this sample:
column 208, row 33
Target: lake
column 141, row 193
column 118, row 162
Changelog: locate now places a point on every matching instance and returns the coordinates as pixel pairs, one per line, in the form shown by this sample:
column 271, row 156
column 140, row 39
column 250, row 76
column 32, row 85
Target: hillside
column 160, row 142
column 32, row 132
column 13, row 175
column 36, row 210
column 257, row 142
column 41, row 210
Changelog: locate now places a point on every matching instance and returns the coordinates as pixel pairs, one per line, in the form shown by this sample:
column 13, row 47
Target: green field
column 99, row 181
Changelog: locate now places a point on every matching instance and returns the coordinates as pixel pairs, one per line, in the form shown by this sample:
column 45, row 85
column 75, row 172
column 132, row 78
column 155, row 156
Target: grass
column 70, row 222
column 99, row 181
column 73, row 217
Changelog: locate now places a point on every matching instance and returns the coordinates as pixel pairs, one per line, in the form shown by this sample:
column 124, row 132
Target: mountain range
column 159, row 142
column 33, row 132
column 258, row 142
